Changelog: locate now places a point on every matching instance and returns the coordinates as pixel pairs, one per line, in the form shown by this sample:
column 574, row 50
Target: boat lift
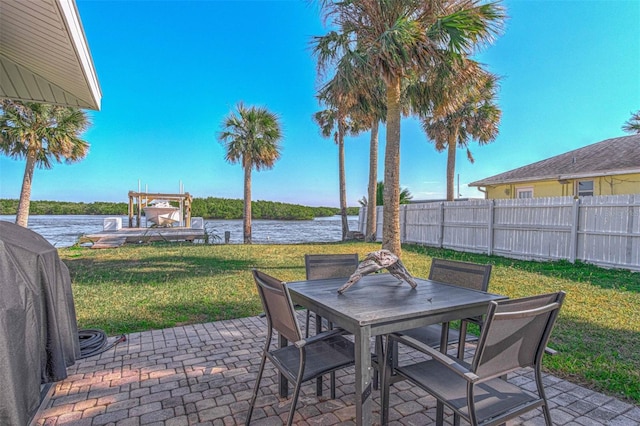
column 144, row 199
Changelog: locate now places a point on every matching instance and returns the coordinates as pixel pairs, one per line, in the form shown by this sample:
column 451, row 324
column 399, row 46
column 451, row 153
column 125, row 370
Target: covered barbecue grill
column 38, row 328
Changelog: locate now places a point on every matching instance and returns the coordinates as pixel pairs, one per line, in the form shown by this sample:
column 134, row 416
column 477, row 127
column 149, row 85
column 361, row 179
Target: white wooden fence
column 603, row 230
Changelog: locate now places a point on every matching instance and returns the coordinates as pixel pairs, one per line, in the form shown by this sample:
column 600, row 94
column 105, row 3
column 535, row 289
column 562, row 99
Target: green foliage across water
column 209, row 208
column 64, row 208
column 222, row 208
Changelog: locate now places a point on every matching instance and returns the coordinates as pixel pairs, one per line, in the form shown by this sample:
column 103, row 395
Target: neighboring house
column 610, row 167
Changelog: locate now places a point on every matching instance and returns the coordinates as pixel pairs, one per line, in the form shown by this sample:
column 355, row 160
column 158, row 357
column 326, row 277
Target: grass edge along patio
column 157, row 286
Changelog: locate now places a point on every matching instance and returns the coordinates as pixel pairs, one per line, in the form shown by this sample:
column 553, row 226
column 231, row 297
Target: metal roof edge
column 71, row 16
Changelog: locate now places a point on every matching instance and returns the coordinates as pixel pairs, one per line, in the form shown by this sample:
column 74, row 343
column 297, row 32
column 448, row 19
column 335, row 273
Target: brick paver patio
column 204, row 374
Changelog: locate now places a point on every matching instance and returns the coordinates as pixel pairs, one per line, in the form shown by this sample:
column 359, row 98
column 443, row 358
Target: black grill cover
column 38, row 328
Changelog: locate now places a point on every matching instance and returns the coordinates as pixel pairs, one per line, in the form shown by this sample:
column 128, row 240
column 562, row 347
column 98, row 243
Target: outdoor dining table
column 379, row 304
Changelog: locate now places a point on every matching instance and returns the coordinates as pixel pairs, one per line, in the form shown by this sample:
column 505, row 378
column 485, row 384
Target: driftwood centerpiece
column 381, row 259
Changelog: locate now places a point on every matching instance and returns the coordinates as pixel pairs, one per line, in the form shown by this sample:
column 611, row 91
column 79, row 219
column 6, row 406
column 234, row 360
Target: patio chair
column 514, row 336
column 461, row 274
column 307, row 358
column 322, row 266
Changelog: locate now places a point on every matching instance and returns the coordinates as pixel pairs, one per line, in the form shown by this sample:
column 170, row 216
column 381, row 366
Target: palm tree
column 346, row 100
column 633, row 124
column 41, row 134
column 477, row 117
column 361, row 94
column 405, row 195
column 399, row 37
column 370, row 110
column 328, row 120
column 251, row 137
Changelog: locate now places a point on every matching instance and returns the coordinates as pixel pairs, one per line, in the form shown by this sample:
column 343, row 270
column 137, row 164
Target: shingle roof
column 611, row 156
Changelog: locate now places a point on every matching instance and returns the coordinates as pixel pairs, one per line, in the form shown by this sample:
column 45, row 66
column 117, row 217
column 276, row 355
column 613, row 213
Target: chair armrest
column 318, row 337
column 449, row 362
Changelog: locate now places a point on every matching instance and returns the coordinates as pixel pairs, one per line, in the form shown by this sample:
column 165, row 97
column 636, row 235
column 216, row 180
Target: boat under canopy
column 160, row 209
column 161, row 213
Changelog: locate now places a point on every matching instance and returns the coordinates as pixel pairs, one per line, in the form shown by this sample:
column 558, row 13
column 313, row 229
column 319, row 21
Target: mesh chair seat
column 307, row 358
column 322, row 357
column 514, row 336
column 430, row 335
column 492, row 398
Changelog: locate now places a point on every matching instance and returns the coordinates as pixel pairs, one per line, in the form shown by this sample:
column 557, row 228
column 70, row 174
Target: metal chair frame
column 322, row 266
column 307, row 358
column 514, row 336
column 462, row 274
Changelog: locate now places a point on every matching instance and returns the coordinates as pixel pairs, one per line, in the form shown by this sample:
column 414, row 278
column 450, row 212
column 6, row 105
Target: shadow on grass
column 163, row 268
column 124, row 295
column 616, row 279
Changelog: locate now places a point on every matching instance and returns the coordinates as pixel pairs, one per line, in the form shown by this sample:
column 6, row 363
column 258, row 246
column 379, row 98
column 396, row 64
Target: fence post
column 630, row 225
column 441, row 236
column 403, row 224
column 490, row 227
column 573, row 239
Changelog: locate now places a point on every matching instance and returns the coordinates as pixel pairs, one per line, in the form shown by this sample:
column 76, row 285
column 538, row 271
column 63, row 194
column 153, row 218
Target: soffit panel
column 42, row 59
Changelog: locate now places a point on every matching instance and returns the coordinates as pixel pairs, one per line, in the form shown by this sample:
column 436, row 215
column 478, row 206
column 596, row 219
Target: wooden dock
column 116, row 238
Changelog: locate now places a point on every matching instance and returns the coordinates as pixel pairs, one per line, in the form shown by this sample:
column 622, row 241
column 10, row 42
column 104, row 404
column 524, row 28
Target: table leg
column 462, row 340
column 444, row 338
column 319, row 379
column 363, row 377
column 283, row 383
column 444, row 343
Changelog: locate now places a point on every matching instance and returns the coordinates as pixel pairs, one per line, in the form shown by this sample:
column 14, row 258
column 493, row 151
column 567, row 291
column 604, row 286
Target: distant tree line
column 208, row 208
column 65, row 208
column 223, row 208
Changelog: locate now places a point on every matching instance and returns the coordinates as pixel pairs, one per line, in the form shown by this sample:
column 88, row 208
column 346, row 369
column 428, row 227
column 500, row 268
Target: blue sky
column 171, row 70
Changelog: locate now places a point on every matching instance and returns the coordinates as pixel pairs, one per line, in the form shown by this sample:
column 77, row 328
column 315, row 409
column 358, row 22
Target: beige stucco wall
column 602, row 185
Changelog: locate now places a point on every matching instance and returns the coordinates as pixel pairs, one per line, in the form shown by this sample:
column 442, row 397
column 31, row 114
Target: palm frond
column 251, row 135
column 633, row 124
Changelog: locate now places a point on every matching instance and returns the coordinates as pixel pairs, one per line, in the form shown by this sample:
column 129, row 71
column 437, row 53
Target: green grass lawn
column 136, row 288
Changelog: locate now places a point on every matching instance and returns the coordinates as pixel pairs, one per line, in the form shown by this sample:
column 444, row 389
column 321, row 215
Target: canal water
column 64, row 230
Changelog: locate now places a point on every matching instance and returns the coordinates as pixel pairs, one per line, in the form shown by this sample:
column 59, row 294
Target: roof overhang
column 44, row 55
column 556, row 177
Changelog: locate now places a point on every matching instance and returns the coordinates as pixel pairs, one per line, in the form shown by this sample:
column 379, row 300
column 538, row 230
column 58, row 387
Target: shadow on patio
column 203, row 374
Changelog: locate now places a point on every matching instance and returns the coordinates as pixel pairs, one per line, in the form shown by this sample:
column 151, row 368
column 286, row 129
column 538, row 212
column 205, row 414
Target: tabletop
column 380, row 304
column 379, row 299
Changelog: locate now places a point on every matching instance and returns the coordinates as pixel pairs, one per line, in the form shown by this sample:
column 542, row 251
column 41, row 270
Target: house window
column 585, row 188
column 524, row 192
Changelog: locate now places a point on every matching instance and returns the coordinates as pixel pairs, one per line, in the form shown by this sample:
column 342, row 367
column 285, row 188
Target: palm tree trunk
column 451, row 164
column 391, row 205
column 22, row 216
column 373, row 182
column 342, row 178
column 246, row 219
